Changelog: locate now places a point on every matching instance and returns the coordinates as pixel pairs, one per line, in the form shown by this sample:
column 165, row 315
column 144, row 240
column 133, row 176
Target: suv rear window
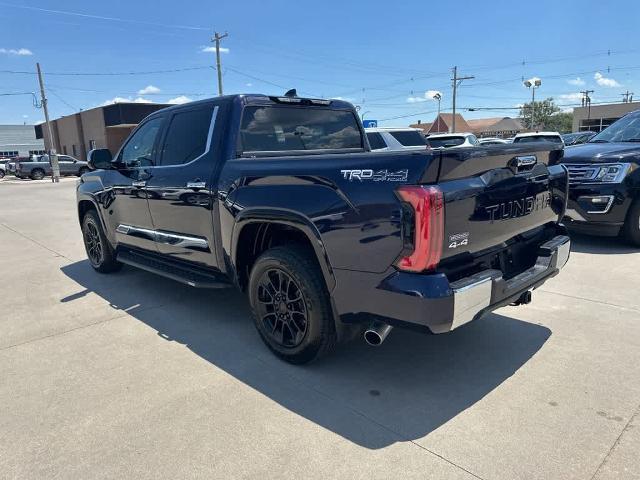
column 276, row 129
column 445, row 142
column 376, row 141
column 410, row 138
column 538, row 138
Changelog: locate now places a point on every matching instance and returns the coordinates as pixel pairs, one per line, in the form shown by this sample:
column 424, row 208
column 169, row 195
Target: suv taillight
column 425, row 235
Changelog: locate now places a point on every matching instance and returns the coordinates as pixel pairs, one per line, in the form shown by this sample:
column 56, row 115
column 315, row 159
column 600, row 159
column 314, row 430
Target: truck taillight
column 428, row 227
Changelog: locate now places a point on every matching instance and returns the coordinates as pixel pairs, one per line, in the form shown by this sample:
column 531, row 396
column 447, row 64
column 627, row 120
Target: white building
column 19, row 141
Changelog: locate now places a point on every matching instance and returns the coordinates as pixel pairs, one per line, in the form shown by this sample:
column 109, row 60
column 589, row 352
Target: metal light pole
column 363, row 114
column 533, row 83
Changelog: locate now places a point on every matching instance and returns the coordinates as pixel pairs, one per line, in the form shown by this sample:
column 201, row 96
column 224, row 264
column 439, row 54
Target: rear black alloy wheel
column 291, row 305
column 281, row 308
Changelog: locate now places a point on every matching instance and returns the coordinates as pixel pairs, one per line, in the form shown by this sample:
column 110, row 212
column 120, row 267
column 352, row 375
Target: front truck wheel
column 99, row 251
column 632, row 224
column 291, row 305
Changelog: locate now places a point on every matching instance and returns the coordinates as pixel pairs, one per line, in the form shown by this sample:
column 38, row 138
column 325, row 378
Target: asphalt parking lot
column 134, row 376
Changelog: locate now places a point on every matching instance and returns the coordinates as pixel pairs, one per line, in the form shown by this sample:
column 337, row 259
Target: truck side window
column 187, row 136
column 376, row 142
column 283, row 128
column 138, row 151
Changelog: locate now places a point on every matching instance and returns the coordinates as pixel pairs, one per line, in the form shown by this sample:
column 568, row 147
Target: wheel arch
column 255, row 231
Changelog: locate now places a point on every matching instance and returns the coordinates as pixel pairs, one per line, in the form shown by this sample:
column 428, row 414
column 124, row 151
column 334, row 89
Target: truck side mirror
column 99, row 158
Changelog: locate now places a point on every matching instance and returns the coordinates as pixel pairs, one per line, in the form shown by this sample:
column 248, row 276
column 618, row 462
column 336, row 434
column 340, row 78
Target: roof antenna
column 291, row 93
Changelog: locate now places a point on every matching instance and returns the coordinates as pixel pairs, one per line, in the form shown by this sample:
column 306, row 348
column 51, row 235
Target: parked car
column 531, row 137
column 325, row 237
column 492, row 141
column 604, row 181
column 10, row 166
column 452, row 140
column 37, row 168
column 3, row 168
column 383, row 139
column 577, row 138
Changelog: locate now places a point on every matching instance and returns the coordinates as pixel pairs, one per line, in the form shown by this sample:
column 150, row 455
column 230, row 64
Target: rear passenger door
column 179, row 189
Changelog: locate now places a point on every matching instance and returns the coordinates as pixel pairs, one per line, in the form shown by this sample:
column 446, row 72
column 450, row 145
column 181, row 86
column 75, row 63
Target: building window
column 92, row 144
column 37, row 152
column 9, row 153
column 75, row 153
column 64, row 149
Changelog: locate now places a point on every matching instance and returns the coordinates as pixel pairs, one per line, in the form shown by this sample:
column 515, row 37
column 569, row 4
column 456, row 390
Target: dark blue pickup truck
column 282, row 198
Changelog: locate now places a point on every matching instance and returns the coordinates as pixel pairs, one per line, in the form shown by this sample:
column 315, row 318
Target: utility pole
column 217, row 37
column 55, row 175
column 628, row 97
column 586, row 101
column 455, row 83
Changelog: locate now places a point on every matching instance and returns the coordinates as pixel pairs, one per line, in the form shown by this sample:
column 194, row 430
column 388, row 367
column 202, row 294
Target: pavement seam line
column 80, row 327
column 590, row 300
column 616, row 443
column 34, row 241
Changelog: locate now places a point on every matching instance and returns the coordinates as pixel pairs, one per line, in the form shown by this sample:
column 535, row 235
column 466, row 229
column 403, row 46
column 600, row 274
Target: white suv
column 383, row 139
column 452, row 140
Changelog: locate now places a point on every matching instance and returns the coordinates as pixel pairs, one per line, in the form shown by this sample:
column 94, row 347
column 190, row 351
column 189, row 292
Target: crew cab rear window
column 284, row 128
column 186, row 137
column 376, row 141
column 410, row 138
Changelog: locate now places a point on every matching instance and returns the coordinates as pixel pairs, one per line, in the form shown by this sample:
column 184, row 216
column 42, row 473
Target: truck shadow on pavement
column 373, row 397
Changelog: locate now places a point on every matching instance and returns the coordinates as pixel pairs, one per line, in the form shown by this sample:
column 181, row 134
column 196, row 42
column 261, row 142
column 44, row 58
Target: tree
column 542, row 111
column 560, row 122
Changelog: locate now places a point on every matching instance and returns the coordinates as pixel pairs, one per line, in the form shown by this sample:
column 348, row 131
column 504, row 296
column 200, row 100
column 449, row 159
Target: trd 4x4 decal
column 375, row 176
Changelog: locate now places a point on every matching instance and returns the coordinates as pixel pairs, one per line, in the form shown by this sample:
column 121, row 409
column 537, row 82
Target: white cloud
column 428, row 95
column 248, row 84
column 14, row 51
column 148, row 89
column 25, row 116
column 179, row 100
column 126, row 100
column 604, row 81
column 574, row 97
column 213, row 49
column 578, row 82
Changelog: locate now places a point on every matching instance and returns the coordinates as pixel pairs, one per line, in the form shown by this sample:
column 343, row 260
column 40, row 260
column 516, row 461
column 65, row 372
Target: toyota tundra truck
column 282, row 198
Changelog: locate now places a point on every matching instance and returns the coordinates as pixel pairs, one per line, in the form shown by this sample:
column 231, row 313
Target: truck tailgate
column 493, row 194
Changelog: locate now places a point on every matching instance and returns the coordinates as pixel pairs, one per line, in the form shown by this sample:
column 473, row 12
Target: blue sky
column 383, row 56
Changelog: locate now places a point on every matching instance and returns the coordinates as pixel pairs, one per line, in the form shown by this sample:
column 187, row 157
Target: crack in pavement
column 58, row 254
column 626, row 428
column 633, row 309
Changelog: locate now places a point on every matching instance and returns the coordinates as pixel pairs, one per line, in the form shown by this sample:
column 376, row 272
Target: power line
column 101, row 17
column 108, row 74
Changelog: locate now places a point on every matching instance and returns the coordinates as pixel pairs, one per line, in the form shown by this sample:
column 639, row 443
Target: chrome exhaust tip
column 377, row 333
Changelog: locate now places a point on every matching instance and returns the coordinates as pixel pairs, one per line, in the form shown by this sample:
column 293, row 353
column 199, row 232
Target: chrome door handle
column 139, row 184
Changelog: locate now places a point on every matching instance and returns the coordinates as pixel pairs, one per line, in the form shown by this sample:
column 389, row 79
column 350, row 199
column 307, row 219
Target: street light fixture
column 533, row 83
column 438, row 96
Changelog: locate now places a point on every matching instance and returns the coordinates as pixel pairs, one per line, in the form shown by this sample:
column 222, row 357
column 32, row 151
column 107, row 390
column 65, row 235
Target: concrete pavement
column 133, row 376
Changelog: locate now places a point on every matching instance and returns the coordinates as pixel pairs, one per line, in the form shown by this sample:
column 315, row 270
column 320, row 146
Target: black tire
column 307, row 331
column 37, row 174
column 631, row 227
column 82, row 171
column 99, row 252
column 1, row 173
